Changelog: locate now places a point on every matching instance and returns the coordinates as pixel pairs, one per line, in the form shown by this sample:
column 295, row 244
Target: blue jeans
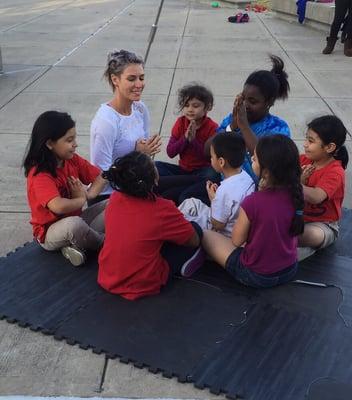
column 247, row 277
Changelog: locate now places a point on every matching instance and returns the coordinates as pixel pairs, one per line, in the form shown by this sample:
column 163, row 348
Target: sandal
column 235, row 18
column 238, row 18
column 244, row 18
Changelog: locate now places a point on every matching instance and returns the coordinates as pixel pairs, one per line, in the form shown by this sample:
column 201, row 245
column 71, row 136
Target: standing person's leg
column 348, row 32
column 341, row 8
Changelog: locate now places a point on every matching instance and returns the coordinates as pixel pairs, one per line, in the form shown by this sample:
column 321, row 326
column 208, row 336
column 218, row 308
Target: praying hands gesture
column 149, row 146
column 191, row 131
column 239, row 114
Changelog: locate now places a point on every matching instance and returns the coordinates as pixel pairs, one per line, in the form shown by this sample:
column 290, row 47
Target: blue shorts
column 247, row 277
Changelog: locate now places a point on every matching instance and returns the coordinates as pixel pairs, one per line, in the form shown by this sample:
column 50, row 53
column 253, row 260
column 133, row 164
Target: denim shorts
column 247, row 277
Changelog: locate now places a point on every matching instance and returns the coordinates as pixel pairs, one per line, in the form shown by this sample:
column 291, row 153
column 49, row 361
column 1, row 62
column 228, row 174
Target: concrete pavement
column 53, row 54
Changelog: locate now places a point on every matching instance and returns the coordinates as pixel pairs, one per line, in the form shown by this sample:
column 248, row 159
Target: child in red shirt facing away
column 189, row 134
column 55, row 177
column 323, row 179
column 146, row 236
column 269, row 220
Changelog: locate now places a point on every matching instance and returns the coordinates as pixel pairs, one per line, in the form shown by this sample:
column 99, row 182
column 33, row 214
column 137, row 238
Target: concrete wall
column 319, row 15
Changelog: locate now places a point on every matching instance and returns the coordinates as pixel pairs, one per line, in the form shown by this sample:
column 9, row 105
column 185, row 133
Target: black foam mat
column 276, row 355
column 40, row 288
column 329, row 389
column 169, row 333
column 281, row 343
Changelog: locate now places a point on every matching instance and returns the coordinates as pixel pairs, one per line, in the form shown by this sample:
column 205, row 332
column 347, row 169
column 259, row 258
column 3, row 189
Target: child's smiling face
column 194, row 110
column 65, row 147
column 314, row 147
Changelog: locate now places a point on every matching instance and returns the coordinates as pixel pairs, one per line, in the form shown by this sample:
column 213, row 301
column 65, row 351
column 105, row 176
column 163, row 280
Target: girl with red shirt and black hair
column 323, row 178
column 147, row 239
column 55, row 177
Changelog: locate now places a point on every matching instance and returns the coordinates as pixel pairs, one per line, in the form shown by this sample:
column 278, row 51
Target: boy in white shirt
column 227, row 153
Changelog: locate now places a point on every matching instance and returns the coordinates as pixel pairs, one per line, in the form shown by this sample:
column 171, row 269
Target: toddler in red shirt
column 188, row 137
column 55, row 191
column 147, row 239
column 323, row 179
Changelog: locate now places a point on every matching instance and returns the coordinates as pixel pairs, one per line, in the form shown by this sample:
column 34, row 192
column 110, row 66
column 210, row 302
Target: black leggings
column 341, row 9
column 181, row 187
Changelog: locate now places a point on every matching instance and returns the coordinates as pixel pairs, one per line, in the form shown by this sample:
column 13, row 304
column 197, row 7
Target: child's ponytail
column 133, row 174
column 272, row 84
column 341, row 154
column 331, row 129
column 281, row 75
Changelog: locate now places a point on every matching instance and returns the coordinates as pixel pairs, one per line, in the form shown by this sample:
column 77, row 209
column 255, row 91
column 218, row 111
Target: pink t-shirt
column 270, row 247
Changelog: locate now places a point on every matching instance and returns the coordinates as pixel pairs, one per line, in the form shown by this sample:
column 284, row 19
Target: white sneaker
column 74, row 255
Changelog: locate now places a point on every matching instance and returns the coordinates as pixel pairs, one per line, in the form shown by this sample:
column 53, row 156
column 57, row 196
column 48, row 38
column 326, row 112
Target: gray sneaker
column 74, row 255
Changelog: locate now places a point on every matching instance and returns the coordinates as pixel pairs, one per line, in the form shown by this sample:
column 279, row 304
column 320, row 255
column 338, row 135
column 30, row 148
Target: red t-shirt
column 130, row 263
column 43, row 187
column 191, row 153
column 331, row 179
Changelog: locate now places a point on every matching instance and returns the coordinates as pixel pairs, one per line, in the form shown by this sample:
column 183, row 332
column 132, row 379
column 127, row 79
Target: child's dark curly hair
column 195, row 91
column 133, row 174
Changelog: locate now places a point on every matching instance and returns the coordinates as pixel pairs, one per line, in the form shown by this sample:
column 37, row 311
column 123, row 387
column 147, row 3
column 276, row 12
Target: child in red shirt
column 135, row 260
column 323, row 179
column 189, row 134
column 55, row 191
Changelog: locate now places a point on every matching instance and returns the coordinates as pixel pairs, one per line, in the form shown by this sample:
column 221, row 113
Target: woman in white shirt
column 122, row 125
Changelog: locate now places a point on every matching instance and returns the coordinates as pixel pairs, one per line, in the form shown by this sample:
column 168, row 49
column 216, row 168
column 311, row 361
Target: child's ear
column 222, row 162
column 49, row 144
column 330, row 148
column 209, row 108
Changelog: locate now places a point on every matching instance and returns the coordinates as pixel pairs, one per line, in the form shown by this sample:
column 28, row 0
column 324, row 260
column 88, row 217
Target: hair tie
column 299, row 212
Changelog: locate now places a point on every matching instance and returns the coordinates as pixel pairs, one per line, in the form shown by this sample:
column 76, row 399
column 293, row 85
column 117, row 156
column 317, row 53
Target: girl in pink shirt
column 263, row 249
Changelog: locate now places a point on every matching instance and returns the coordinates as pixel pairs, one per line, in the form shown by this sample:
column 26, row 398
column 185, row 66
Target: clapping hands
column 307, row 171
column 149, row 146
column 76, row 188
column 211, row 189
